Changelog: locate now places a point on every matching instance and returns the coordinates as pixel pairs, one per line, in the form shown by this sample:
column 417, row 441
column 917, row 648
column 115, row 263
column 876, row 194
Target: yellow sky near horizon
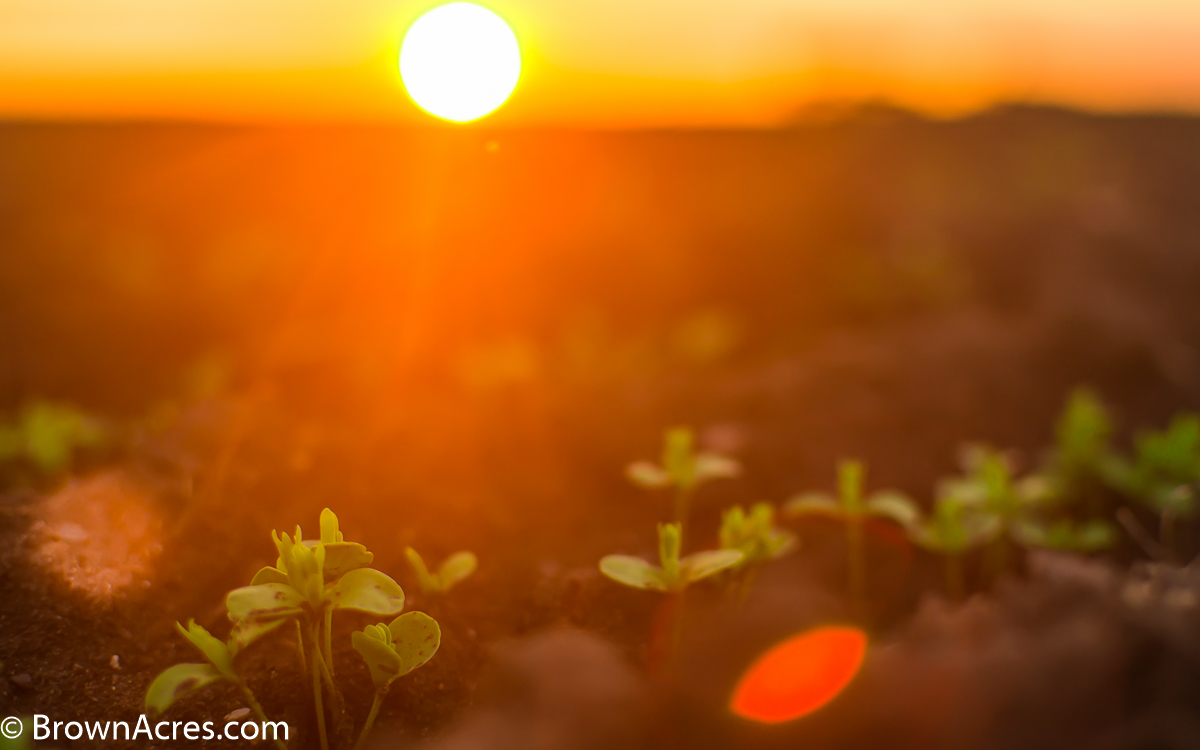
column 622, row 63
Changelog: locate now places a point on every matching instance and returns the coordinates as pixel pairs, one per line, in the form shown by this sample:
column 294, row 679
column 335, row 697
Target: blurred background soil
column 458, row 338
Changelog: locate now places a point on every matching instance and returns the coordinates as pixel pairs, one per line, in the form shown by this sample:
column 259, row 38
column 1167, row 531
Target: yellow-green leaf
column 415, row 637
column 384, row 663
column 633, row 571
column 457, row 567
column 177, row 682
column 267, row 601
column 367, row 590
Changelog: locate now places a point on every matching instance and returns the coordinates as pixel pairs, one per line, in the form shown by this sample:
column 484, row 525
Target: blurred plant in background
column 453, row 570
column 1163, row 476
column 755, row 535
column 952, row 531
column 682, row 468
column 852, row 509
column 1083, row 455
column 47, row 434
column 758, row 538
column 674, row 573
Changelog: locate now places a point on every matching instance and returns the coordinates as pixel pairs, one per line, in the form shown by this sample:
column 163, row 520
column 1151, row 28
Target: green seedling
column 392, row 651
column 184, row 679
column 675, row 573
column 47, row 434
column 987, row 487
column 1083, row 452
column 1164, row 475
column 755, row 535
column 952, row 531
column 453, row 570
column 682, row 468
column 853, row 510
column 310, row 580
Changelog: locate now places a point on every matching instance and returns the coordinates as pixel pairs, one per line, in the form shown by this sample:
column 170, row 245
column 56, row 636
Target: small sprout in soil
column 453, row 570
column 755, row 535
column 953, row 530
column 672, row 576
column 987, row 487
column 1164, row 475
column 1083, row 453
column 47, row 435
column 392, row 651
column 183, row 679
column 310, row 580
column 852, row 509
column 682, row 468
column 675, row 573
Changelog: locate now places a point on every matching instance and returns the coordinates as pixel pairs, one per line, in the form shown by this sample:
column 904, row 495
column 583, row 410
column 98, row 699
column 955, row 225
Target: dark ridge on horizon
column 816, row 114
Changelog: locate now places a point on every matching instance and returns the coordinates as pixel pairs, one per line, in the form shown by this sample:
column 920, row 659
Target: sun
column 460, row 62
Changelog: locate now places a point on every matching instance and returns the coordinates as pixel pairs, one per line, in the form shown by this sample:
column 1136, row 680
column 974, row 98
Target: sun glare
column 460, row 62
column 799, row 675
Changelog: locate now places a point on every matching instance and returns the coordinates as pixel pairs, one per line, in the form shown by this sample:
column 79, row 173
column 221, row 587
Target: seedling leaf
column 213, row 648
column 248, row 631
column 704, row 564
column 755, row 534
column 176, row 682
column 416, row 637
column 266, row 601
column 367, row 590
column 343, row 557
column 330, row 534
column 456, row 568
column 385, row 664
column 713, row 466
column 427, row 581
column 647, row 475
column 895, row 506
column 269, row 575
column 633, row 571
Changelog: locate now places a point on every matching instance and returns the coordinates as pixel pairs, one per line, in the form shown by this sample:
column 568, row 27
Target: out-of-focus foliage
column 987, row 487
column 454, row 569
column 1083, row 444
column 853, row 509
column 755, row 534
column 850, row 503
column 682, row 467
column 47, row 434
column 1165, row 470
column 1025, row 510
column 674, row 573
column 952, row 528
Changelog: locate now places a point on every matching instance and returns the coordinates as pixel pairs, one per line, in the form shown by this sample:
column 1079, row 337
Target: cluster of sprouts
column 310, row 581
column 1077, row 501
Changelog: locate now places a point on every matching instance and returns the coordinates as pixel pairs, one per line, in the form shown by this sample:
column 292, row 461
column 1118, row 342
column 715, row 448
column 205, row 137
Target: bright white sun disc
column 460, row 62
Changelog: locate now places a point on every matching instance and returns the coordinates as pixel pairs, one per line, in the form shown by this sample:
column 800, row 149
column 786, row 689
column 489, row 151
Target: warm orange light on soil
column 98, row 534
column 800, row 675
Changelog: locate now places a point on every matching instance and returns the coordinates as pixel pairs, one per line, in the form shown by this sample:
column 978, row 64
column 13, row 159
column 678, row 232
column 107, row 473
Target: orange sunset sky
column 605, row 63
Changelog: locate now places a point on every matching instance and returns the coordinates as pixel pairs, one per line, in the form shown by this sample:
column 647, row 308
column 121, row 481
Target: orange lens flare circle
column 799, row 675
